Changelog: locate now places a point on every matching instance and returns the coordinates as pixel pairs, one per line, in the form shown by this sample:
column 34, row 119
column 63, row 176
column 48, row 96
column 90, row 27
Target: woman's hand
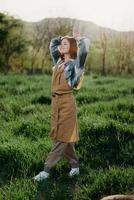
column 76, row 34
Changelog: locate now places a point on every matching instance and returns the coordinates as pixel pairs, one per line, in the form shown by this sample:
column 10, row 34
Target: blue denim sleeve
column 53, row 47
column 78, row 63
column 83, row 44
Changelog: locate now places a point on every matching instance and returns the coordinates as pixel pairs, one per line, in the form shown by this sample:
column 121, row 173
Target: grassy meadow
column 105, row 109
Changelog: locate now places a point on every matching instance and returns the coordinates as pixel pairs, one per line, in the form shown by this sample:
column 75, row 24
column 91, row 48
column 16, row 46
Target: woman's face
column 64, row 46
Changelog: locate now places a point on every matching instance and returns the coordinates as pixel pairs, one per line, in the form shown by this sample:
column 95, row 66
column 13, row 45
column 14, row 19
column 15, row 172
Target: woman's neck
column 67, row 57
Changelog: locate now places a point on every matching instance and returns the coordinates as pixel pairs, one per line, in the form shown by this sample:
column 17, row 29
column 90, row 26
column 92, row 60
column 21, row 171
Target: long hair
column 73, row 51
column 73, row 47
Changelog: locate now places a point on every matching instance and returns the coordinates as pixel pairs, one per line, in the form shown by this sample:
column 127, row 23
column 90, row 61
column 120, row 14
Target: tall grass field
column 105, row 110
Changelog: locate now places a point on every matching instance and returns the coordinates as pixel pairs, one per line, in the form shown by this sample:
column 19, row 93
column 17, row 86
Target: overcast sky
column 116, row 14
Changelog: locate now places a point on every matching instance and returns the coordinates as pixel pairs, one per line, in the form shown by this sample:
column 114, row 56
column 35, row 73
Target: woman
column 69, row 55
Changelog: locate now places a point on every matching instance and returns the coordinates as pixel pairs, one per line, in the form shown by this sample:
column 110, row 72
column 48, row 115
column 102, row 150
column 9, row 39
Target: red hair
column 73, row 47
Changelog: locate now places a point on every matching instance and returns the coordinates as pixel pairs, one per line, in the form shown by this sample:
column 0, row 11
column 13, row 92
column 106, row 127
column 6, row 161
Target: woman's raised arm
column 78, row 63
column 53, row 47
column 83, row 45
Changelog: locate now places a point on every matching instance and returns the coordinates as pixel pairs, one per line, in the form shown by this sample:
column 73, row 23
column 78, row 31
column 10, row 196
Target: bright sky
column 116, row 14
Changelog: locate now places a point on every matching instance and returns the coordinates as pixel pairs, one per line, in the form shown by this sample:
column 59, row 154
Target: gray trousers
column 59, row 150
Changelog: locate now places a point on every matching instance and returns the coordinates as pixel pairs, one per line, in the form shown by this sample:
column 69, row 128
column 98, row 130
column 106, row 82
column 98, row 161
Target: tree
column 103, row 42
column 12, row 41
column 43, row 33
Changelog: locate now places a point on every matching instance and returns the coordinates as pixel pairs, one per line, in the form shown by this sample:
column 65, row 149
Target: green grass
column 105, row 109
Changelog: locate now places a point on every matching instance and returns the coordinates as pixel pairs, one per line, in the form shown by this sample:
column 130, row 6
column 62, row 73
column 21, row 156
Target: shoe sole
column 34, row 180
column 73, row 175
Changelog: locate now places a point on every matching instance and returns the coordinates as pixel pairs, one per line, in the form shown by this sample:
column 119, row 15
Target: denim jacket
column 73, row 68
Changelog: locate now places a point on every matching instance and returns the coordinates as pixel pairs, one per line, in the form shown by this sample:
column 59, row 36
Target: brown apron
column 63, row 108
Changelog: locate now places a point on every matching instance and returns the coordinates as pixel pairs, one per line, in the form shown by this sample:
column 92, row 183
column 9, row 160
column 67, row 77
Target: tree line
column 21, row 52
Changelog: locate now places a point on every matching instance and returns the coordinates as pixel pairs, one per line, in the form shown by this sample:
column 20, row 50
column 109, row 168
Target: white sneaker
column 74, row 171
column 41, row 176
